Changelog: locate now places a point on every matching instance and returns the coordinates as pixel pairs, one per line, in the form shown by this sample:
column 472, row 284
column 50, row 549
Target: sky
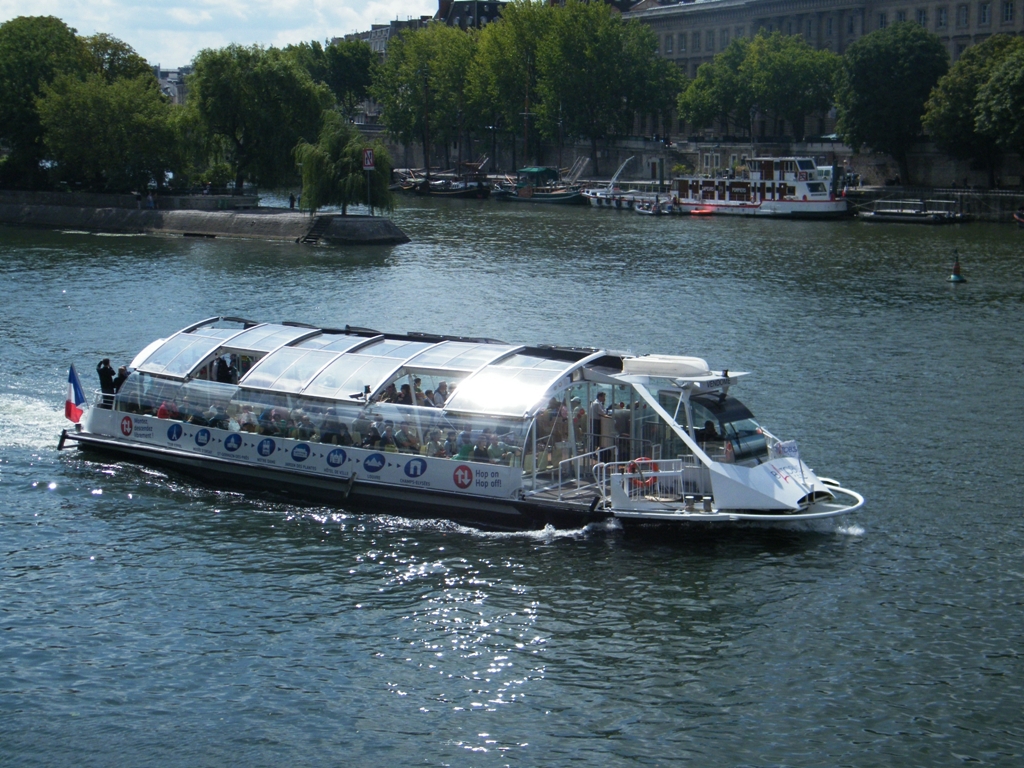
column 172, row 32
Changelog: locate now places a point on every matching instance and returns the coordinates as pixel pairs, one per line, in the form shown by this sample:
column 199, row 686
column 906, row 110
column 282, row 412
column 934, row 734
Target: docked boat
column 914, row 212
column 541, row 184
column 611, row 195
column 471, row 183
column 780, row 187
column 655, row 207
column 494, row 434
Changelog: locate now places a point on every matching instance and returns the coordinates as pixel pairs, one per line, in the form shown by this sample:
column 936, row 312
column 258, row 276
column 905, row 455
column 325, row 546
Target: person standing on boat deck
column 122, row 376
column 598, row 413
column 106, row 373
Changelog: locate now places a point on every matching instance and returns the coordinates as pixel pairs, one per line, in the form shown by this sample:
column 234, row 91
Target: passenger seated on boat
column 425, row 399
column 390, row 394
column 387, row 440
column 167, row 410
column 216, row 417
column 247, row 419
column 405, row 396
column 372, row 438
column 441, row 394
column 499, row 452
column 406, row 439
column 433, row 447
column 304, row 428
column 480, row 449
column 451, row 444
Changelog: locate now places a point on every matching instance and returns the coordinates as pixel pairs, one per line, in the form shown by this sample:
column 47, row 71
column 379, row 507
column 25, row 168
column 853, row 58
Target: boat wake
column 29, row 423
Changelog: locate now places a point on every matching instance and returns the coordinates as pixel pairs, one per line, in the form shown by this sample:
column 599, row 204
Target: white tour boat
column 611, row 195
column 783, row 187
column 499, row 435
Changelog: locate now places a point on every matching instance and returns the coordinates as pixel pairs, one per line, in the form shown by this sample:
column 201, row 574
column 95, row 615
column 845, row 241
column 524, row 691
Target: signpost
column 368, row 167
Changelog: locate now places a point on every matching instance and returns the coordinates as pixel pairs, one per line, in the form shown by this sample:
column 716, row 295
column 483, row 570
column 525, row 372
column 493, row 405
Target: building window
column 789, row 27
column 682, row 42
column 849, row 25
column 1007, row 12
column 808, row 28
column 984, row 14
column 960, row 48
column 940, row 18
column 882, row 21
column 901, row 15
column 828, row 27
column 696, row 42
column 962, row 15
column 739, row 31
column 711, row 41
column 668, row 43
column 922, row 17
column 724, row 38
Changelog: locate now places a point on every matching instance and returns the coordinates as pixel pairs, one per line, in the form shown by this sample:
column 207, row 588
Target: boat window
column 734, row 422
column 179, row 354
column 805, row 165
column 816, row 188
column 334, row 342
column 504, row 391
column 264, row 338
column 395, row 348
column 459, row 355
column 348, row 376
column 288, row 369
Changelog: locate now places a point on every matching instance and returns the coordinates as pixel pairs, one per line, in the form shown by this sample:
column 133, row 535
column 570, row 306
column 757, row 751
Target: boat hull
column 796, row 209
column 360, row 494
column 568, row 198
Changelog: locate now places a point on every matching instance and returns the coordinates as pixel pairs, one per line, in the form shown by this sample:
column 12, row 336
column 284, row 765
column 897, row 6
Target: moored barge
column 480, row 431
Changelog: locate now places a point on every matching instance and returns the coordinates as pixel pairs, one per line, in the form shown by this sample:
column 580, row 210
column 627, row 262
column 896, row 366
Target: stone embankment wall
column 984, row 206
column 40, row 211
column 163, row 202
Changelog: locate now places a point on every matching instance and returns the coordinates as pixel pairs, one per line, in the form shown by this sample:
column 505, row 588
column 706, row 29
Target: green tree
column 952, row 109
column 261, row 103
column 503, row 75
column 788, row 78
column 332, row 168
column 116, row 59
column 885, row 80
column 590, row 86
column 422, row 85
column 350, row 65
column 653, row 84
column 719, row 91
column 128, row 125
column 34, row 50
column 1001, row 103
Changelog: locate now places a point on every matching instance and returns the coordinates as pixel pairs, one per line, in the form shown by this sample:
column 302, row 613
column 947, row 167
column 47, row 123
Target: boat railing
column 651, row 479
column 576, row 476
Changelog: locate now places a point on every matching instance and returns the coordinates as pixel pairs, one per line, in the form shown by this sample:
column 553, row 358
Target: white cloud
column 172, row 32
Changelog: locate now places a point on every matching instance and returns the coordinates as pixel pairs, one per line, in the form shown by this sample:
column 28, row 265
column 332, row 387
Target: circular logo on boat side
column 336, row 457
column 233, row 442
column 463, row 476
column 174, row 432
column 374, row 463
column 266, row 447
column 300, row 452
column 202, row 437
column 416, row 467
column 126, row 426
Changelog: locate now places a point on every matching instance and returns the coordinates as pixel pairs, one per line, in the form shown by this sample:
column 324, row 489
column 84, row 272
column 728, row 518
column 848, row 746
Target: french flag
column 73, row 406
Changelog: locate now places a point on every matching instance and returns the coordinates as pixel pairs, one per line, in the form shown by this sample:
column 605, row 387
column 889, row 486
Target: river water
column 150, row 621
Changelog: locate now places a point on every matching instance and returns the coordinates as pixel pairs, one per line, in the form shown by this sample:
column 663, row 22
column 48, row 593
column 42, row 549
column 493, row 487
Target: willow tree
column 332, row 168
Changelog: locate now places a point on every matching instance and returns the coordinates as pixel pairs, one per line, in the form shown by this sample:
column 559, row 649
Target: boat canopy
column 355, row 365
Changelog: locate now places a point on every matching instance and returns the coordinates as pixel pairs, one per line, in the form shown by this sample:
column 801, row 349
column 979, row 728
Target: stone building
column 691, row 33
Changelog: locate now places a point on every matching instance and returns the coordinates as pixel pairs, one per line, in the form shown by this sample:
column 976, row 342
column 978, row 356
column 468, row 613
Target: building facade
column 691, row 33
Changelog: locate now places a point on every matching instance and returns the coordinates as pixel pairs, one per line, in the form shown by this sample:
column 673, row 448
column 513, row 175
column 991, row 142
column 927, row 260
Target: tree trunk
column 238, row 182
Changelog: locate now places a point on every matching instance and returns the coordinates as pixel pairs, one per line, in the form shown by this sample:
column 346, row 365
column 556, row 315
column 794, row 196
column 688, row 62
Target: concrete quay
column 251, row 223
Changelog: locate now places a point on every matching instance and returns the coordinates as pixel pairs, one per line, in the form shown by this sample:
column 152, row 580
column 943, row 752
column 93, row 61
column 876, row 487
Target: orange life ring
column 633, row 468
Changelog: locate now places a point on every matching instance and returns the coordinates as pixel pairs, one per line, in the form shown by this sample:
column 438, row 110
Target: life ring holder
column 633, row 468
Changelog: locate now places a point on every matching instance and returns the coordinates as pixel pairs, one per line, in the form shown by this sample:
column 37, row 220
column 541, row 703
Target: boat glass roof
column 179, row 354
column 349, row 375
column 502, row 391
column 264, row 338
column 288, row 369
column 458, row 356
